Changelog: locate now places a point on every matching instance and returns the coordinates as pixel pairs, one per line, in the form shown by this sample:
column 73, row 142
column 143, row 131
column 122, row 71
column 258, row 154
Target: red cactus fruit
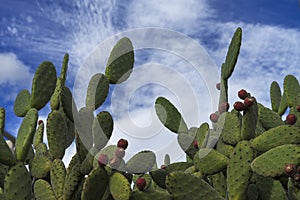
column 102, row 160
column 141, row 183
column 291, row 119
column 290, row 169
column 239, row 106
column 218, row 86
column 195, row 144
column 120, row 153
column 298, row 108
column 249, row 101
column 163, row 166
column 224, row 107
column 243, row 94
column 40, row 122
column 122, row 143
column 214, row 117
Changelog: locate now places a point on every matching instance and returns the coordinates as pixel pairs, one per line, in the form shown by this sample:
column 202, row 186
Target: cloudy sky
column 32, row 31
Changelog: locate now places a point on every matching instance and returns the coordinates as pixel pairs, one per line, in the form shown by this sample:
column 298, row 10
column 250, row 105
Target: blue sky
column 32, row 31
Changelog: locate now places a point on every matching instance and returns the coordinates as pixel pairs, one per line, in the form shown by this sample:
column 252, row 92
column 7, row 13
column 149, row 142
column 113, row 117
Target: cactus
column 169, row 116
column 277, row 136
column 239, row 170
column 43, row 190
column 17, row 184
column 141, row 162
column 26, row 134
column 120, row 62
column 40, row 166
column 95, row 185
column 194, row 188
column 271, row 163
column 43, row 85
column 119, row 187
column 275, row 94
column 56, row 130
column 97, row 91
column 57, row 177
column 249, row 152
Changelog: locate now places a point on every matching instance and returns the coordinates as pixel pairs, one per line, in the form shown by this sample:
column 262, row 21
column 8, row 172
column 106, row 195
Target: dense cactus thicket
column 249, row 152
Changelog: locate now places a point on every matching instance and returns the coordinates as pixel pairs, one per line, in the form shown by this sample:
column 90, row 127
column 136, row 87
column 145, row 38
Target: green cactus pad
column 291, row 90
column 81, row 150
column 57, row 177
column 78, row 192
column 102, row 129
column 41, row 149
column 6, row 155
column 224, row 149
column 239, row 170
column 150, row 195
column 97, row 91
column 202, row 135
column 259, row 129
column 68, row 103
column 268, row 188
column 43, row 85
column 170, row 116
column 232, row 54
column 21, row 105
column 209, row 161
column 250, row 118
column 64, row 68
column 272, row 162
column 193, row 187
column 268, row 118
column 119, row 187
column 3, row 171
column 56, row 130
column 70, row 134
column 120, row 62
column 73, row 178
column 40, row 166
column 252, row 192
column 275, row 94
column 185, row 141
column 178, row 166
column 219, row 183
column 109, row 151
column 167, row 160
column 159, row 177
column 142, row 162
column 223, row 90
column 56, row 96
column 95, row 184
column 293, row 191
column 84, row 125
column 87, row 165
column 229, row 126
column 17, row 184
column 274, row 137
column 283, row 105
column 39, row 134
column 26, row 134
column 43, row 190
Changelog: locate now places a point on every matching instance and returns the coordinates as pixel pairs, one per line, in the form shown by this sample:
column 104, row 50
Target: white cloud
column 13, row 74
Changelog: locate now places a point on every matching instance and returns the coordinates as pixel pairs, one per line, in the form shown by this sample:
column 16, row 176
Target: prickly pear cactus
column 249, row 152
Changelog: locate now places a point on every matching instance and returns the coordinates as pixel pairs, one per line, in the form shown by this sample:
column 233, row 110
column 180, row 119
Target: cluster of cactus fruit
column 247, row 153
